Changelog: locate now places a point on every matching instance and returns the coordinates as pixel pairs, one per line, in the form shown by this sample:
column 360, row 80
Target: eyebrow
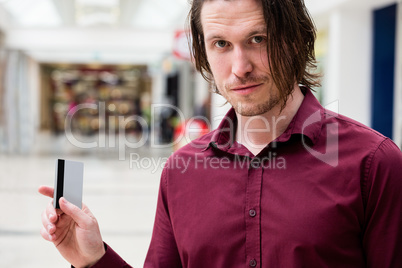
column 262, row 30
column 208, row 38
column 259, row 31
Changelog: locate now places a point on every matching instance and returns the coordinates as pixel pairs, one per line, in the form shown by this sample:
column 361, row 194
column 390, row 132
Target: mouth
column 246, row 89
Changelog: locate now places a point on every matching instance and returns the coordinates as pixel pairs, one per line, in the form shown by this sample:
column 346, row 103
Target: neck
column 256, row 132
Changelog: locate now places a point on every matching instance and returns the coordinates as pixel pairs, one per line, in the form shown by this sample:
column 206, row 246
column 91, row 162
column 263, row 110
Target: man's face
column 236, row 46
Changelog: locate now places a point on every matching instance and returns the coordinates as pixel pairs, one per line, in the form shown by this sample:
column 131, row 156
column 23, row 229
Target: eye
column 257, row 39
column 221, row 44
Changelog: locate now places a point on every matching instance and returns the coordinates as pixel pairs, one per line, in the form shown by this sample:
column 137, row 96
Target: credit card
column 68, row 182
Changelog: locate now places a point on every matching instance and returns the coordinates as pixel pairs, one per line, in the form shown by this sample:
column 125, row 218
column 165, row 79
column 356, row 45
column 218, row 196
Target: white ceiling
column 109, row 31
column 126, row 31
column 149, row 14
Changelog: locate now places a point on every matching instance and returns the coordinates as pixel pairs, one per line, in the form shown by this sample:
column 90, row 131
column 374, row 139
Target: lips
column 245, row 89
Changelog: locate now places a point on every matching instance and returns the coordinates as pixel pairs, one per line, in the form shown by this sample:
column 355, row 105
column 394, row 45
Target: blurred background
column 97, row 81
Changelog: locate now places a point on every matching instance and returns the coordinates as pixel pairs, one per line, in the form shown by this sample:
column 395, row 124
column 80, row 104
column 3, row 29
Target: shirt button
column 253, row 263
column 255, row 162
column 252, row 213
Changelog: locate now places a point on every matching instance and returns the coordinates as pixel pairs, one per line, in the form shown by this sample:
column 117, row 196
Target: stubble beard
column 248, row 109
column 250, row 106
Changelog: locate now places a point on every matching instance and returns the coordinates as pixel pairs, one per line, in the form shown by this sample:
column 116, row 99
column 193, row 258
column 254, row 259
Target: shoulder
column 183, row 156
column 385, row 160
column 353, row 127
column 375, row 157
column 358, row 143
column 380, row 157
column 353, row 134
column 194, row 146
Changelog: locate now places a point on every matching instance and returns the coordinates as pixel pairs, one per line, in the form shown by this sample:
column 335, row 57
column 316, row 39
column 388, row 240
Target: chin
column 250, row 111
column 256, row 109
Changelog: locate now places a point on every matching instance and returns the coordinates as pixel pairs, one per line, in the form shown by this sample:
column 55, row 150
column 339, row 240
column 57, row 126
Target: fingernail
column 50, row 237
column 49, row 227
column 51, row 217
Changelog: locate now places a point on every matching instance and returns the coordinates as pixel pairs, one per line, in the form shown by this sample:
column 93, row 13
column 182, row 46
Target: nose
column 241, row 63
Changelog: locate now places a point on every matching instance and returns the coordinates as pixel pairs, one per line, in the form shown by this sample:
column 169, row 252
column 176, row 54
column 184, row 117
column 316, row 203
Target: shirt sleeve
column 163, row 251
column 110, row 259
column 382, row 233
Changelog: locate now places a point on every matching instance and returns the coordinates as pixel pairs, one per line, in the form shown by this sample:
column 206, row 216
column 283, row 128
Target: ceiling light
column 97, row 12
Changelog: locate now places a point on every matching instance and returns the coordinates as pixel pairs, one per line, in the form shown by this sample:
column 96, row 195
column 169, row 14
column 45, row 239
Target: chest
column 264, row 208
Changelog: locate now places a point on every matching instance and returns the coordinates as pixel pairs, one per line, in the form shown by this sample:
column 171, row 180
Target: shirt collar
column 223, row 136
column 307, row 121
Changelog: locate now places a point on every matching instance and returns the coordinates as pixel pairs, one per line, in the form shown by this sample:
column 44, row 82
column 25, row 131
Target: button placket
column 253, row 202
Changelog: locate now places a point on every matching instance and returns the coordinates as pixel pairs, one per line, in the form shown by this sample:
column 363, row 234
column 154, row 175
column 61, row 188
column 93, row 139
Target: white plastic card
column 68, row 182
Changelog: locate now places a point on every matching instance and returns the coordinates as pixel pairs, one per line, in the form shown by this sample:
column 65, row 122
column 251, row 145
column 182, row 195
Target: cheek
column 220, row 67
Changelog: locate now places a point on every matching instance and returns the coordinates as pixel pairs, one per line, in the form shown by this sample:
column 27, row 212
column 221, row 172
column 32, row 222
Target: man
column 281, row 183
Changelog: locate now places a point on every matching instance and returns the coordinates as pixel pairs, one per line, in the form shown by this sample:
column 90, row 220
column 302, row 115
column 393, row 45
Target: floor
column 121, row 193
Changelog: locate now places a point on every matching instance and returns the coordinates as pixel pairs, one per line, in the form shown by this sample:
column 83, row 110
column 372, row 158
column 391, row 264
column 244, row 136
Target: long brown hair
column 291, row 36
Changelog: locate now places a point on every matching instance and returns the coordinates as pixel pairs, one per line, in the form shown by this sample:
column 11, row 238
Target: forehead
column 223, row 15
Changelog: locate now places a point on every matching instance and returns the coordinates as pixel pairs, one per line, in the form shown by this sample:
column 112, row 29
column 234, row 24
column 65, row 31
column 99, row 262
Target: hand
column 73, row 231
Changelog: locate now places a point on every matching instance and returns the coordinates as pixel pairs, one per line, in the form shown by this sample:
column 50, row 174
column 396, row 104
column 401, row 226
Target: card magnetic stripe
column 60, row 181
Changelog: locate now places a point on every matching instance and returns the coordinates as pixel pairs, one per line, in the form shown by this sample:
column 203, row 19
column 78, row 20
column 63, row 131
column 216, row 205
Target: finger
column 51, row 213
column 49, row 219
column 46, row 190
column 79, row 216
column 50, row 227
column 46, row 235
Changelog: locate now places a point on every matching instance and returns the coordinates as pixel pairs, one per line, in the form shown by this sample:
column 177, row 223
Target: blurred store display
column 96, row 98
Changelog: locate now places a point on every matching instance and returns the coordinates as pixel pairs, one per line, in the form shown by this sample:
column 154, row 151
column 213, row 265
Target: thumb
column 79, row 216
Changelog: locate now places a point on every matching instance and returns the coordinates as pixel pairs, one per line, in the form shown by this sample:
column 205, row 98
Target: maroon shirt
column 325, row 193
